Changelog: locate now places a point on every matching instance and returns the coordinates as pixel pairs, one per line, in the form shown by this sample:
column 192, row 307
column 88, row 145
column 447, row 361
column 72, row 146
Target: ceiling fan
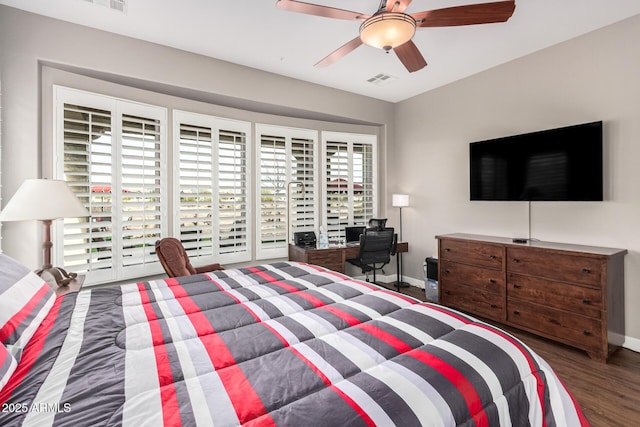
column 391, row 28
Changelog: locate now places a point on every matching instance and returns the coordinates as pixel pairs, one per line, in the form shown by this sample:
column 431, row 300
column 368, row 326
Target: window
column 112, row 155
column 287, row 158
column 350, row 180
column 231, row 191
column 212, row 197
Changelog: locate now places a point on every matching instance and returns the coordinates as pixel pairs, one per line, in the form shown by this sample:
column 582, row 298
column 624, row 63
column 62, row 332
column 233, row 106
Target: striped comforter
column 281, row 344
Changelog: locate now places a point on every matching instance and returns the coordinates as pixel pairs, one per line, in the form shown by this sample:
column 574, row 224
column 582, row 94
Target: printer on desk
column 305, row 239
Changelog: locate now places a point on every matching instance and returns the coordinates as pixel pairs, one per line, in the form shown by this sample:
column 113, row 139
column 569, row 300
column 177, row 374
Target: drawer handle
column 447, row 271
column 492, row 305
column 516, row 286
column 492, row 257
column 516, row 260
column 447, row 293
column 554, row 321
column 586, row 333
column 492, row 280
column 586, row 271
column 586, row 301
column 516, row 312
column 447, row 250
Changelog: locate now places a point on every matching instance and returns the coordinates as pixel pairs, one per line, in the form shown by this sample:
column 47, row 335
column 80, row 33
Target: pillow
column 25, row 300
column 7, row 365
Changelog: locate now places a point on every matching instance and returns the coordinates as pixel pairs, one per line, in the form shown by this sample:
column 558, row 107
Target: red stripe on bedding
column 289, row 288
column 170, row 407
column 244, row 398
column 350, row 319
column 458, row 316
column 385, row 336
column 462, row 384
column 533, row 366
column 361, row 412
column 236, row 299
column 31, row 351
column 583, row 420
column 15, row 321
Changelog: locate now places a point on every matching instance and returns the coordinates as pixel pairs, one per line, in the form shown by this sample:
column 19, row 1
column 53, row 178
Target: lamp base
column 56, row 275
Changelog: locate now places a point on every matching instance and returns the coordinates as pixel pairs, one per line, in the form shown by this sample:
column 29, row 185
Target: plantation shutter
column 350, row 180
column 141, row 195
column 286, row 157
column 212, row 183
column 110, row 153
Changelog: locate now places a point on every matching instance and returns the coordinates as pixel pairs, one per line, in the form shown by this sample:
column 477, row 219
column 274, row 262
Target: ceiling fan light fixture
column 387, row 30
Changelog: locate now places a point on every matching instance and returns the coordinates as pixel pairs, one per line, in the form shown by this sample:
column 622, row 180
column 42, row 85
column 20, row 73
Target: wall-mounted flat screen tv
column 563, row 164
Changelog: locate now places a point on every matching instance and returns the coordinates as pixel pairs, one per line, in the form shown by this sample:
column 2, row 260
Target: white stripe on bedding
column 416, row 333
column 485, row 372
column 412, row 389
column 54, row 384
column 521, row 362
column 203, row 384
column 143, row 403
column 366, row 402
column 173, row 314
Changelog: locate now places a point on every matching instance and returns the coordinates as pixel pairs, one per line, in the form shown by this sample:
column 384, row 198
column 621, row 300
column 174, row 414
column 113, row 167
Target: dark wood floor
column 609, row 394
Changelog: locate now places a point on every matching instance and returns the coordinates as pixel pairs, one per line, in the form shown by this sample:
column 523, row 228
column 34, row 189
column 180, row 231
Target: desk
column 334, row 257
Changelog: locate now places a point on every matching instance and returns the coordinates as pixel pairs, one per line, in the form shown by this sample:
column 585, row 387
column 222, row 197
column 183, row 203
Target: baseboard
column 632, row 344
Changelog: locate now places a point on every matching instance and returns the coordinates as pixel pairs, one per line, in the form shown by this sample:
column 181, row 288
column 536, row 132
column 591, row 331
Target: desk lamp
column 44, row 200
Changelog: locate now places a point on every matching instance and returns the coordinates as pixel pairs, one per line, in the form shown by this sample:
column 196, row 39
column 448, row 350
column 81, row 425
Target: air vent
column 381, row 79
column 119, row 5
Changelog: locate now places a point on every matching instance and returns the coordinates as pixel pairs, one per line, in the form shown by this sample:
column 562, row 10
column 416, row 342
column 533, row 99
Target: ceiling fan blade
column 339, row 52
column 483, row 13
column 410, row 56
column 398, row 5
column 317, row 10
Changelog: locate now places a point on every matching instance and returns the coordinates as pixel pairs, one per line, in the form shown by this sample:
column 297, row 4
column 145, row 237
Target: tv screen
column 563, row 164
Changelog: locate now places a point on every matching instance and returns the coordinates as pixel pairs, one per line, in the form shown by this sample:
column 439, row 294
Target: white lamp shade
column 400, row 200
column 43, row 199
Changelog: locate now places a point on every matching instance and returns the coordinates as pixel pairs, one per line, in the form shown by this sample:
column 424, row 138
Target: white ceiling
column 257, row 34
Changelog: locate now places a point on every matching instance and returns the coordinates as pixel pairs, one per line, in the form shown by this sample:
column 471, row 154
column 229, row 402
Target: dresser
column 572, row 294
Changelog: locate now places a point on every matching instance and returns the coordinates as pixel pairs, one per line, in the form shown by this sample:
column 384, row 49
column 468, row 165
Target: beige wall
column 593, row 77
column 36, row 52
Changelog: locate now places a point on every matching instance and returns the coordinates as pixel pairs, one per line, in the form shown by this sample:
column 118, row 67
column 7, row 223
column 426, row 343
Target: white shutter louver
column 273, row 193
column 111, row 152
column 212, row 182
column 349, row 171
column 287, row 158
column 88, row 171
column 141, row 189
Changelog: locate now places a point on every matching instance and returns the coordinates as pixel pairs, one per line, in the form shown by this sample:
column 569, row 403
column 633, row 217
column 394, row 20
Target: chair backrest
column 377, row 223
column 377, row 246
column 173, row 257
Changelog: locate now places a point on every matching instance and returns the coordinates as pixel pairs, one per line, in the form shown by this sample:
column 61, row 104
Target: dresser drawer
column 477, row 277
column 556, row 266
column 472, row 253
column 576, row 299
column 465, row 298
column 580, row 331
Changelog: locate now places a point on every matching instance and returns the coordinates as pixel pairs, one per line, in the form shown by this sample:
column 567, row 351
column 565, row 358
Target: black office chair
column 376, row 249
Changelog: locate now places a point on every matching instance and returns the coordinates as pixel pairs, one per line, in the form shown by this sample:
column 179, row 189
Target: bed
column 287, row 344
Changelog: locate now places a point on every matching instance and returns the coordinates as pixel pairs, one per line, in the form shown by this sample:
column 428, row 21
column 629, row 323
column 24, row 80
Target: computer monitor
column 352, row 234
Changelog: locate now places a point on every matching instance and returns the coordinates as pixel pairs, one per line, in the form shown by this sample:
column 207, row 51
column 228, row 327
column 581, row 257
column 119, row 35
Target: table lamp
column 44, row 200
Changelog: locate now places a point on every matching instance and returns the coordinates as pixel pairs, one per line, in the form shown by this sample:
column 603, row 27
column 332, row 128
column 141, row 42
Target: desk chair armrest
column 208, row 268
